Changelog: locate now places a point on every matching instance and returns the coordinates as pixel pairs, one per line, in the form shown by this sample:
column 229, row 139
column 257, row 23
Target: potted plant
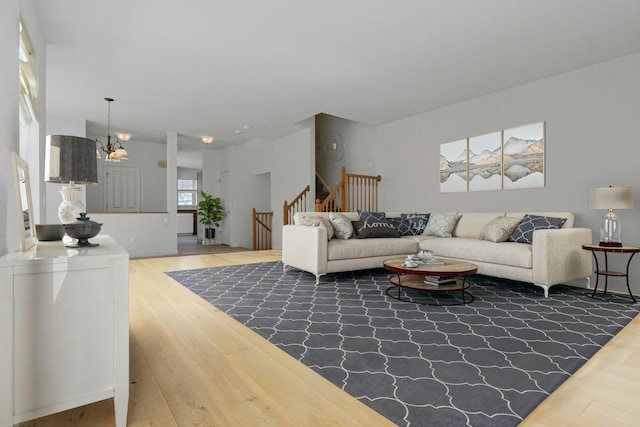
column 211, row 212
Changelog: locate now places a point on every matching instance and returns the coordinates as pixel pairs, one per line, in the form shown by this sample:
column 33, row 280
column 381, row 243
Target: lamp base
column 611, row 244
column 610, row 230
column 71, row 205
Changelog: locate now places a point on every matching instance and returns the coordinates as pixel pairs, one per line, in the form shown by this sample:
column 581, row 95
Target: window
column 187, row 192
column 28, row 89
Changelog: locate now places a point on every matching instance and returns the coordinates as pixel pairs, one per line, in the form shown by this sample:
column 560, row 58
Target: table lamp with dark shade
column 70, row 160
column 611, row 198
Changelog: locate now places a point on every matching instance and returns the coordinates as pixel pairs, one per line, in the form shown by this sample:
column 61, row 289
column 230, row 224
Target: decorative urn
column 82, row 229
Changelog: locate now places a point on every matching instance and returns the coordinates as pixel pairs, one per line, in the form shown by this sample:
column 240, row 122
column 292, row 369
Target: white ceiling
column 209, row 67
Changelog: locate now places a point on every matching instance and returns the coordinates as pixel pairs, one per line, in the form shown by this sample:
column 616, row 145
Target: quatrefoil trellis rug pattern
column 488, row 363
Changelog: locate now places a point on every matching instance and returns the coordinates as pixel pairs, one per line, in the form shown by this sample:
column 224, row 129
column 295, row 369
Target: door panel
column 123, row 189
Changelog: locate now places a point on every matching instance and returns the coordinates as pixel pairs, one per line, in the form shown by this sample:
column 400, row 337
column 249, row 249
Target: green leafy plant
column 210, row 210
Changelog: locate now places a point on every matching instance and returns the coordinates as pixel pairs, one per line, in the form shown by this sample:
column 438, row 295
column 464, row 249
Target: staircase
column 354, row 192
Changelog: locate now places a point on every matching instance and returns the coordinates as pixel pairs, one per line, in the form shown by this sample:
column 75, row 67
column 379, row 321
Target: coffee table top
column 449, row 269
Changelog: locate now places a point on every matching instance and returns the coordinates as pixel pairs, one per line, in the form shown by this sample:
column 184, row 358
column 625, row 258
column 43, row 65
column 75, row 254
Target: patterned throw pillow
column 370, row 216
column 318, row 221
column 367, row 229
column 341, row 226
column 531, row 223
column 499, row 229
column 402, row 225
column 418, row 222
column 441, row 225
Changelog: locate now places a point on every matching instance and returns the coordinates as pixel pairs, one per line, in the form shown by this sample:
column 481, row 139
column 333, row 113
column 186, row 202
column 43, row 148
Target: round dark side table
column 606, row 273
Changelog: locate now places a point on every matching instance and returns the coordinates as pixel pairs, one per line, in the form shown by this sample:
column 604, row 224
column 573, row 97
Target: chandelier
column 115, row 152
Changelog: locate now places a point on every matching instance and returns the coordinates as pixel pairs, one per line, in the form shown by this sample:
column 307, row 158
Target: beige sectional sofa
column 555, row 256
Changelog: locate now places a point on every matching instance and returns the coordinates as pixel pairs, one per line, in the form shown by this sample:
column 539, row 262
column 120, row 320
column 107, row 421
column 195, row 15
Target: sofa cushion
column 341, row 225
column 371, row 229
column 470, row 224
column 499, row 229
column 339, row 249
column 319, row 221
column 418, row 221
column 531, row 223
column 441, row 225
column 506, row 253
column 370, row 216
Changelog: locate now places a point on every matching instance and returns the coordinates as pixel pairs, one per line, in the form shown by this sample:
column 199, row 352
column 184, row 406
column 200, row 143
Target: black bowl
column 49, row 232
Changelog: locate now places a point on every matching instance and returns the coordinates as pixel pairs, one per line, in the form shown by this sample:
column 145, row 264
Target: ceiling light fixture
column 124, row 137
column 115, row 152
column 207, row 139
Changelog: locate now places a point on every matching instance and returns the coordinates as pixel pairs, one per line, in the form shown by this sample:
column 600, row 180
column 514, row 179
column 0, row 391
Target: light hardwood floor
column 192, row 365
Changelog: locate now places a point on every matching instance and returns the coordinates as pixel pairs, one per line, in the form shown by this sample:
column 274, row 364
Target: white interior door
column 123, row 189
column 226, row 200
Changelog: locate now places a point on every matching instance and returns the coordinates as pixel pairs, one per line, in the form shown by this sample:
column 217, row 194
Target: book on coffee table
column 436, row 280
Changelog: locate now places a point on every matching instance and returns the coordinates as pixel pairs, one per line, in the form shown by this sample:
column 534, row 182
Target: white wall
column 591, row 119
column 9, row 128
column 141, row 234
column 292, row 170
column 148, row 234
column 246, row 163
column 327, row 167
column 145, row 156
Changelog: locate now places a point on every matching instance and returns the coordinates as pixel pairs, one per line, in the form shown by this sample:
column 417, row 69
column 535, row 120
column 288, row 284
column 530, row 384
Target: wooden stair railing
column 261, row 230
column 354, row 192
column 299, row 204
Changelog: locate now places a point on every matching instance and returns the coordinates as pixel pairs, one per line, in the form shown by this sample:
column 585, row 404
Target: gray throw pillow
column 369, row 229
column 370, row 216
column 418, row 222
column 531, row 223
column 402, row 225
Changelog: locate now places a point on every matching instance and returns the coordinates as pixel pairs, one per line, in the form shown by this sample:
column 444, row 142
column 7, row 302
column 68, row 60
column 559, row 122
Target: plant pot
column 209, row 233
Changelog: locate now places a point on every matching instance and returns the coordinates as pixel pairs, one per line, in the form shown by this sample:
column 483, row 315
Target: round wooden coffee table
column 414, row 278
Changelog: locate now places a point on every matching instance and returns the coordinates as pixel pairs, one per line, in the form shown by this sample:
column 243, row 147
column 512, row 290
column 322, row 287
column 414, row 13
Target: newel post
column 285, row 213
column 343, row 183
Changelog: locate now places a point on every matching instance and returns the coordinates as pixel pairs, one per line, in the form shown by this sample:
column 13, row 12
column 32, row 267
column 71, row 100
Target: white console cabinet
column 64, row 329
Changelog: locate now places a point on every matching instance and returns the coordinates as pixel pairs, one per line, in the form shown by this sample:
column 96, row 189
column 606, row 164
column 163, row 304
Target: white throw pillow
column 318, row 221
column 499, row 229
column 342, row 226
column 441, row 225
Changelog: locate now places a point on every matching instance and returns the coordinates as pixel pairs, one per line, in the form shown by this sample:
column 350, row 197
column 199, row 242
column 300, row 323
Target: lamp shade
column 70, row 159
column 611, row 198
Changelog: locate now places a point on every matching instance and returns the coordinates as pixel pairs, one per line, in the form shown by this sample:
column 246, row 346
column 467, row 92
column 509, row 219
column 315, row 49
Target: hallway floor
column 189, row 245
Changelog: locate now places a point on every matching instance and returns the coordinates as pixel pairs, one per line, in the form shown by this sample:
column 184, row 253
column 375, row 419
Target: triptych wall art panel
column 503, row 160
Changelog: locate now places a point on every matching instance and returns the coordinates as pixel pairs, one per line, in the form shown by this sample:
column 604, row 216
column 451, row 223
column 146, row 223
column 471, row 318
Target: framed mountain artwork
column 485, row 162
column 523, row 156
column 453, row 167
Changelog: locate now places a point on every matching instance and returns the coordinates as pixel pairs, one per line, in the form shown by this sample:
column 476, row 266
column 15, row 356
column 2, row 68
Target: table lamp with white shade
column 611, row 198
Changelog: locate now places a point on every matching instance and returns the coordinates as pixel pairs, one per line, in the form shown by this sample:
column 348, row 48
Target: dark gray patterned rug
column 489, row 363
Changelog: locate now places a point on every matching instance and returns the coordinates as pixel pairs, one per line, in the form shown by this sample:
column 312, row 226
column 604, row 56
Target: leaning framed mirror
column 23, row 201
